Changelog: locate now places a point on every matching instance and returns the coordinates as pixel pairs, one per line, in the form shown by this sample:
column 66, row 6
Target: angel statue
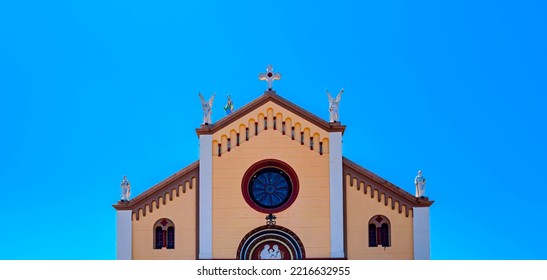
column 207, row 107
column 333, row 106
column 419, row 181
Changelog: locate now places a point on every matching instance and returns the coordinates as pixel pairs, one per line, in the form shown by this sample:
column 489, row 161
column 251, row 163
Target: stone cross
column 269, row 76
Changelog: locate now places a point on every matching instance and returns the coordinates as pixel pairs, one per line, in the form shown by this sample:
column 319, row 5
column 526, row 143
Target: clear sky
column 91, row 91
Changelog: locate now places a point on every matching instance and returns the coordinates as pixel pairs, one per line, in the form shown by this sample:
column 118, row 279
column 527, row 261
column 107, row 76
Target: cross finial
column 269, row 76
column 270, row 219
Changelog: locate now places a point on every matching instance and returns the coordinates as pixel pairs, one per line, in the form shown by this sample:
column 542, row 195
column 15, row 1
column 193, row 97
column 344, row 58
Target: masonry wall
column 181, row 211
column 360, row 208
column 308, row 217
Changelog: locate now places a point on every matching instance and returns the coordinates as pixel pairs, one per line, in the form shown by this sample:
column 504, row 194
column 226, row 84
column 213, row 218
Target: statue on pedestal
column 229, row 108
column 126, row 189
column 333, row 106
column 419, row 181
column 207, row 107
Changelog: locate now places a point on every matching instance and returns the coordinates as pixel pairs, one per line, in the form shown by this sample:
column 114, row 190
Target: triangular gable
column 273, row 97
column 366, row 178
column 172, row 186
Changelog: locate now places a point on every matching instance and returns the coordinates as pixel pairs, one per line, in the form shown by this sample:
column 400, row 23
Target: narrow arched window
column 379, row 231
column 159, row 238
column 384, row 235
column 372, row 235
column 164, row 234
column 171, row 237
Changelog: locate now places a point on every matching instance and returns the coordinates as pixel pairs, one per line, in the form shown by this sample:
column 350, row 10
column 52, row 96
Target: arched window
column 379, row 232
column 158, row 244
column 164, row 234
column 171, row 237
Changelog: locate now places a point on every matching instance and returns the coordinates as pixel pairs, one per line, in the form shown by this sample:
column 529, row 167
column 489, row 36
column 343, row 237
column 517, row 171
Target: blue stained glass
column 270, row 188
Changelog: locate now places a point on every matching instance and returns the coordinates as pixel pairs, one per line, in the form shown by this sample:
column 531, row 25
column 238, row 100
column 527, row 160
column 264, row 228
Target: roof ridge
column 263, row 99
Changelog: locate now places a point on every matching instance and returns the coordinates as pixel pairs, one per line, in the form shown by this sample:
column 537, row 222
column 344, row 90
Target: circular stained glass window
column 270, row 186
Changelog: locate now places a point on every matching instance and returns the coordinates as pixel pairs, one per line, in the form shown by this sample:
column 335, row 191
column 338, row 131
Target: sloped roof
column 273, row 97
column 176, row 183
column 389, row 190
column 166, row 189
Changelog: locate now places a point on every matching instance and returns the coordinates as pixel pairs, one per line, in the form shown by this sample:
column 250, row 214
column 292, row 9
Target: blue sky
column 91, row 91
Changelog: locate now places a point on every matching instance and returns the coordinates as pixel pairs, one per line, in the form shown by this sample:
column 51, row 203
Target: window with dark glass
column 164, row 234
column 379, row 232
column 372, row 235
column 159, row 238
column 171, row 237
column 270, row 186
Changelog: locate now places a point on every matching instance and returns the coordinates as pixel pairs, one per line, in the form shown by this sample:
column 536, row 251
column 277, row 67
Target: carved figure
column 207, row 107
column 333, row 106
column 126, row 189
column 419, row 181
column 229, row 108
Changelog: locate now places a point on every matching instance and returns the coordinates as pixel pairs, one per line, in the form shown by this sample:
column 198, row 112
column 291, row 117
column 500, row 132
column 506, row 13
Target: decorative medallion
column 271, row 243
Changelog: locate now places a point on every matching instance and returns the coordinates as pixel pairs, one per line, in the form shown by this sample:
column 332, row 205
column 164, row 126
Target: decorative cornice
column 389, row 190
column 271, row 96
column 174, row 183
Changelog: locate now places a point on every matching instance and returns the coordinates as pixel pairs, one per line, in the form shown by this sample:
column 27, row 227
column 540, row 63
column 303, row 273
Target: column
column 123, row 234
column 336, row 196
column 421, row 233
column 205, row 197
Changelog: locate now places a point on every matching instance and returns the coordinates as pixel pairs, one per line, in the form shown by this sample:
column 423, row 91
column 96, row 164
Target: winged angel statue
column 207, row 107
column 333, row 106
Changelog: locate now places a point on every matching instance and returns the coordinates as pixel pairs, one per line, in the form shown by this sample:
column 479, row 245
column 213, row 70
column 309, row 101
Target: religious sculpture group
column 269, row 77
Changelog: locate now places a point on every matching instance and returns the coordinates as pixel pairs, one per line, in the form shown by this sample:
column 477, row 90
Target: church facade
column 271, row 183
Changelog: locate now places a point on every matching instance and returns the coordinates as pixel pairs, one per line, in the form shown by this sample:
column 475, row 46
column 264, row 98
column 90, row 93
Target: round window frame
column 264, row 164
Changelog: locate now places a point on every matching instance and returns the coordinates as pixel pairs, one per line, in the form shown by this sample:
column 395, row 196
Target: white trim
column 205, row 197
column 336, row 196
column 123, row 234
column 421, row 233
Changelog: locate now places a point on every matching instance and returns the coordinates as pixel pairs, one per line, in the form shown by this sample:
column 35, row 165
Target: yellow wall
column 269, row 110
column 360, row 209
column 182, row 212
column 308, row 217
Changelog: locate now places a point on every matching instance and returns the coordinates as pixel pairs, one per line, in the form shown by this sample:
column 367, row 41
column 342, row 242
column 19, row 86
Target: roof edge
column 274, row 97
column 139, row 199
column 403, row 195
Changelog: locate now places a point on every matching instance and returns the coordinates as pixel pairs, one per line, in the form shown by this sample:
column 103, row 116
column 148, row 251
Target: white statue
column 271, row 253
column 265, row 253
column 276, row 254
column 333, row 106
column 126, row 189
column 207, row 108
column 419, row 181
